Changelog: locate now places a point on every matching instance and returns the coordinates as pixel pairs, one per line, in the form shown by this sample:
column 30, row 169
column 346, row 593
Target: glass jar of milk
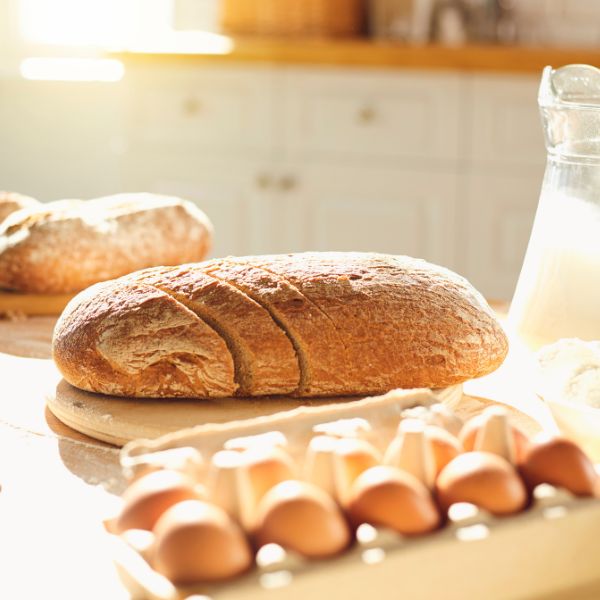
column 558, row 291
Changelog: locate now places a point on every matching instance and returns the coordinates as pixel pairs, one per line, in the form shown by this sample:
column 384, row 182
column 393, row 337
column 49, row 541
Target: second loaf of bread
column 11, row 202
column 64, row 246
column 313, row 324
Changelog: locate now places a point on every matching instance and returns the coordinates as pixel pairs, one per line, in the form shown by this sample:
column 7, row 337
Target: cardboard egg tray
column 549, row 548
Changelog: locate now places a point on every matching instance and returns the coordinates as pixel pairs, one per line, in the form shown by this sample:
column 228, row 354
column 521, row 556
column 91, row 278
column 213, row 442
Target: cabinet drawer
column 219, row 111
column 371, row 114
column 504, row 121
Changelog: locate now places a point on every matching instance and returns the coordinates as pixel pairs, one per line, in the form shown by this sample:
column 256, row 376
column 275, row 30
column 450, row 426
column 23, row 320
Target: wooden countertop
column 212, row 48
column 58, row 485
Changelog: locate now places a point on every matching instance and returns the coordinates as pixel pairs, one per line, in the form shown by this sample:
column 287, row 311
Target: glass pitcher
column 558, row 291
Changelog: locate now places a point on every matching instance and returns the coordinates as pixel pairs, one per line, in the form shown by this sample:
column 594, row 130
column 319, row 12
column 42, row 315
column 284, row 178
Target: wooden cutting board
column 74, row 414
column 119, row 420
column 12, row 303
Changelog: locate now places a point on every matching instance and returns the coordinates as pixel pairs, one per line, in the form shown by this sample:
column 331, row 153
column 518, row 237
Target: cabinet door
column 223, row 190
column 209, row 111
column 499, row 212
column 376, row 210
column 503, row 121
column 278, row 219
column 349, row 114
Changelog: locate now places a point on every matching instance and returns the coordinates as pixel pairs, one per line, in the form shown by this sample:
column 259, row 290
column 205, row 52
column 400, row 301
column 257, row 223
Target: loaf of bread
column 307, row 325
column 65, row 246
column 10, row 202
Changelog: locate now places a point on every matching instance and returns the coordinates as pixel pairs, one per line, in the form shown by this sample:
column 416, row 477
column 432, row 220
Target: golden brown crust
column 420, row 324
column 129, row 339
column 265, row 359
column 65, row 246
column 312, row 334
column 360, row 323
column 10, row 202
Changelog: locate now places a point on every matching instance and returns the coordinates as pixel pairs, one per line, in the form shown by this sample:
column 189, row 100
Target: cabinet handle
column 264, row 181
column 287, row 183
column 366, row 115
column 192, row 107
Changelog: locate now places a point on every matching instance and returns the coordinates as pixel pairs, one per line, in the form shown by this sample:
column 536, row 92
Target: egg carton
column 544, row 549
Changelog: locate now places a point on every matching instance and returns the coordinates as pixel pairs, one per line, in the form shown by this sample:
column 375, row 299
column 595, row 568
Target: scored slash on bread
column 366, row 293
column 250, row 333
column 309, row 325
column 139, row 341
column 315, row 340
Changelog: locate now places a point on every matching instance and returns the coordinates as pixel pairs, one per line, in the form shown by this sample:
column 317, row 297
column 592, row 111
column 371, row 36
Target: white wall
column 60, row 140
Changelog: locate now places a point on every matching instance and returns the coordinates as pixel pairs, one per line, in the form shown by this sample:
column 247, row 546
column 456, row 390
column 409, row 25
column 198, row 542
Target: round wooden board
column 120, row 420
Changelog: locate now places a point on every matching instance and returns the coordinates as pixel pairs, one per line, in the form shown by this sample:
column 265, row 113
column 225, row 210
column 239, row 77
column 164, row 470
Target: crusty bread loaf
column 139, row 341
column 313, row 324
column 247, row 328
column 11, row 202
column 65, row 246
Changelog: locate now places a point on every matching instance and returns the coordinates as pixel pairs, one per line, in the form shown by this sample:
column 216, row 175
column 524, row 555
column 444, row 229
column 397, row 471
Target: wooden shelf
column 361, row 53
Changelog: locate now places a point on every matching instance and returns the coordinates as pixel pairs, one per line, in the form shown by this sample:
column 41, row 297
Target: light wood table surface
column 58, row 485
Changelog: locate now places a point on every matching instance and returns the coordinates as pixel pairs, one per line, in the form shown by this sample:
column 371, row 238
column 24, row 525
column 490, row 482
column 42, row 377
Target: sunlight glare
column 91, row 22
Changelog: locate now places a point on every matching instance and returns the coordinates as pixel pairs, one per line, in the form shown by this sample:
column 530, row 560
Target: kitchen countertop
column 212, row 48
column 58, row 485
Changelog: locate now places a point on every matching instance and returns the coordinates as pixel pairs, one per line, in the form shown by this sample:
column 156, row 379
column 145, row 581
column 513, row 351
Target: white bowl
column 568, row 380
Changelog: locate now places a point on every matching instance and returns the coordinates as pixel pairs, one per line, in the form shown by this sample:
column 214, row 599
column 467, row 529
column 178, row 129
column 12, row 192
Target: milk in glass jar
column 558, row 291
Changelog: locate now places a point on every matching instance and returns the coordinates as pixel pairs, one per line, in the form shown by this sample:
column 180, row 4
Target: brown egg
column 484, row 479
column 390, row 497
column 197, row 541
column 445, row 446
column 301, row 517
column 149, row 496
column 468, row 435
column 559, row 462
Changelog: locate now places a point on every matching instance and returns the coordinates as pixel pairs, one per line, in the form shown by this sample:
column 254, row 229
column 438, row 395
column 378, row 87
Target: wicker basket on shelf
column 293, row 17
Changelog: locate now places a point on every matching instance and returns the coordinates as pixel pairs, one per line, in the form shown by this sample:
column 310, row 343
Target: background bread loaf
column 11, row 202
column 312, row 324
column 65, row 246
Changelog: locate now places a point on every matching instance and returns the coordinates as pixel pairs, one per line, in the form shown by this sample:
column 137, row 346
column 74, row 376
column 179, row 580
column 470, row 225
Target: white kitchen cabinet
column 502, row 121
column 378, row 210
column 504, row 159
column 335, row 115
column 442, row 166
column 279, row 219
column 498, row 214
column 207, row 112
column 223, row 189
